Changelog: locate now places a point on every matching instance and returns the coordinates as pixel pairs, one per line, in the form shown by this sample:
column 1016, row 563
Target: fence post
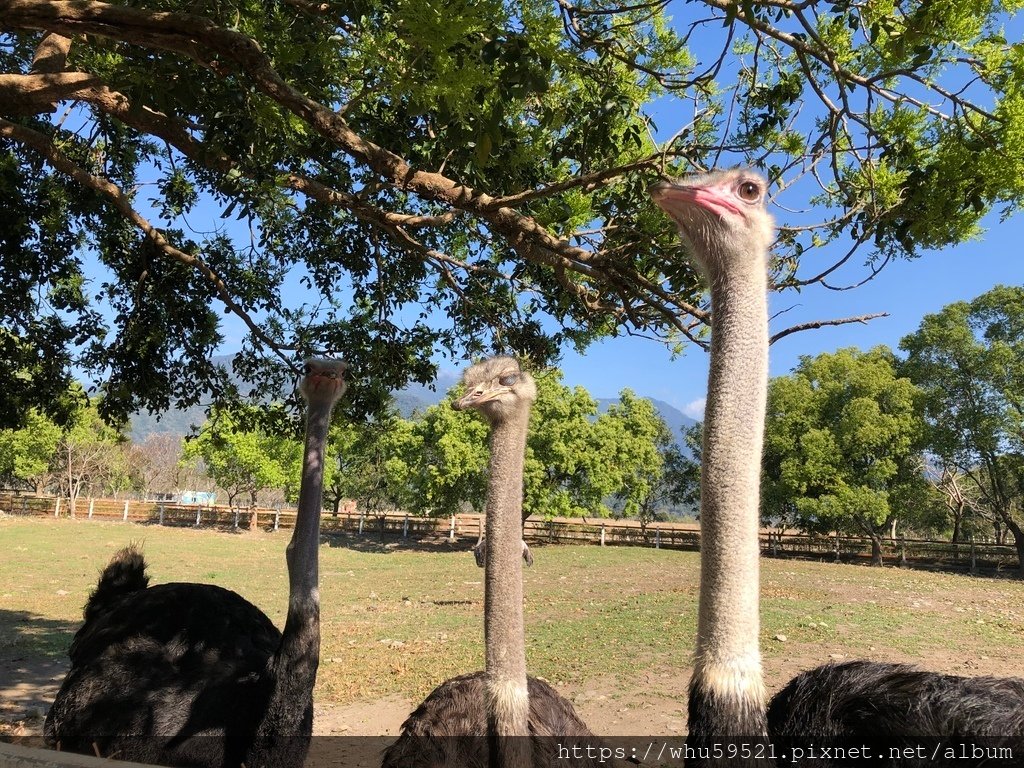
column 602, row 534
column 236, row 518
column 277, row 517
column 161, row 514
column 124, row 515
column 451, row 529
column 199, row 515
column 362, row 514
column 974, row 562
column 92, row 502
column 657, row 538
column 903, row 552
column 24, row 506
column 405, row 527
column 837, row 546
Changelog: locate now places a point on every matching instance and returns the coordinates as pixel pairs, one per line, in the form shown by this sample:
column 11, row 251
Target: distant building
column 202, row 498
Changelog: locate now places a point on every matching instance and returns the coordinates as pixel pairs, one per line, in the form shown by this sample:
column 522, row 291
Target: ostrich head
column 323, row 382
column 721, row 215
column 498, row 388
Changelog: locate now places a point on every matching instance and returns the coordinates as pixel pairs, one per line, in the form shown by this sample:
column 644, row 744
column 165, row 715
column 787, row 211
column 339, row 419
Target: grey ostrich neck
column 728, row 687
column 300, row 642
column 505, row 645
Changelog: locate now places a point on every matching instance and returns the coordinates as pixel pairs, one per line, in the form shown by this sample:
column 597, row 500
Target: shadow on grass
column 372, row 541
column 33, row 661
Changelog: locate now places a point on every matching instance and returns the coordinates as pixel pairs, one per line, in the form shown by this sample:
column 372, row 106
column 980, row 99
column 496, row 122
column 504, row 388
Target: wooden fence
column 468, row 527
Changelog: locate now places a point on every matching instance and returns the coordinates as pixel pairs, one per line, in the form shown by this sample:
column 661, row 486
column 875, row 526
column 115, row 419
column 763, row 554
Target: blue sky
column 908, row 290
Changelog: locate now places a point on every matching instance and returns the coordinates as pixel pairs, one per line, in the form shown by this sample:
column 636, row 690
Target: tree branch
column 117, row 198
column 814, row 324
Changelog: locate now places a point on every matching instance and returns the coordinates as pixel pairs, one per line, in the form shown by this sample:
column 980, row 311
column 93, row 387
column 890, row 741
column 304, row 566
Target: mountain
column 415, row 398
column 673, row 417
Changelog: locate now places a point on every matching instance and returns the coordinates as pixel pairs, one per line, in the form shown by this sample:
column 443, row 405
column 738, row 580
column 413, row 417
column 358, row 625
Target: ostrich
column 901, row 715
column 487, row 718
column 194, row 674
column 722, row 217
column 892, row 712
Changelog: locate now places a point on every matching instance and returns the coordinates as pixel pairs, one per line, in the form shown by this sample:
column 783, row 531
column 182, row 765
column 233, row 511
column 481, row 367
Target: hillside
column 413, row 399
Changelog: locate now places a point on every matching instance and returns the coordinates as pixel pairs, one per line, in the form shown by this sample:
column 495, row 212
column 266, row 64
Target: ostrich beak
column 669, row 196
column 478, row 396
column 325, row 374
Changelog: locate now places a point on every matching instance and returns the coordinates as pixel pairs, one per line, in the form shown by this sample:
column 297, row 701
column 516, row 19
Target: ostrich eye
column 508, row 379
column 749, row 191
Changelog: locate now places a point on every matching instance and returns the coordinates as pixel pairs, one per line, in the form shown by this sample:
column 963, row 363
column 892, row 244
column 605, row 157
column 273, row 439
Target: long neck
column 287, row 719
column 300, row 640
column 727, row 696
column 504, row 640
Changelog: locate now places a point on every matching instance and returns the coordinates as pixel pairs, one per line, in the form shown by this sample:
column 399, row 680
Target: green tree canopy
column 26, row 454
column 400, row 179
column 245, row 460
column 439, row 461
column 640, row 450
column 969, row 360
column 577, row 462
column 842, row 445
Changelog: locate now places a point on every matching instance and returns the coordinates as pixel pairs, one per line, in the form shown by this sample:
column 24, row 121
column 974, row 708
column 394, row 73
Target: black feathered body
column 450, row 728
column 177, row 674
column 894, row 709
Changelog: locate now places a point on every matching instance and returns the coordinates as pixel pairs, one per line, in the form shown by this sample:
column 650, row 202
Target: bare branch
column 814, row 324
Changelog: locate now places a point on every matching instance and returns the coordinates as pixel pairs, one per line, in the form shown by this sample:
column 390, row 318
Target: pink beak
column 665, row 194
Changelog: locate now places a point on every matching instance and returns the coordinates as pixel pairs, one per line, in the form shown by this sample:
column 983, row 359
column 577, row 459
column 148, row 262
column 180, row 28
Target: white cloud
column 695, row 408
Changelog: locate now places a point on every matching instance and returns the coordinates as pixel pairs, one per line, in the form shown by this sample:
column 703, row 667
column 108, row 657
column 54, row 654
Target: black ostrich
column 500, row 717
column 900, row 715
column 194, row 674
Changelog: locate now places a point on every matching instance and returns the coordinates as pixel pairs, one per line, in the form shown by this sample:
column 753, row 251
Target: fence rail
column 468, row 527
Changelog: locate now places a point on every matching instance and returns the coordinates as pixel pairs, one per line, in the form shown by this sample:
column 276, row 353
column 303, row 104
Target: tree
column 576, row 461
column 682, row 468
column 567, row 472
column 842, row 445
column 27, row 453
column 89, row 454
column 158, row 462
column 640, row 448
column 959, row 498
column 439, row 461
column 450, row 177
column 245, row 460
column 969, row 360
column 362, row 451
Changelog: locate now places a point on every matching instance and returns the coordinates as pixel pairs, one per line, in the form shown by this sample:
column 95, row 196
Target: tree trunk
column 1018, row 544
column 876, row 549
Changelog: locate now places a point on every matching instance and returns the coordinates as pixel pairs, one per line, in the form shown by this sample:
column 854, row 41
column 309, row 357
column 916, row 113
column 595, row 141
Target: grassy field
column 396, row 621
